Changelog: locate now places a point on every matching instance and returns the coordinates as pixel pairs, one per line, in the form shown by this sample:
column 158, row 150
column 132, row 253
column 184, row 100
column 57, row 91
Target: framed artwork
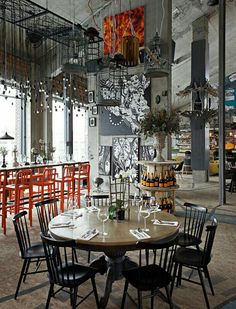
column 125, row 23
column 91, row 96
column 92, row 122
column 134, row 104
column 104, row 160
column 95, row 110
column 125, row 154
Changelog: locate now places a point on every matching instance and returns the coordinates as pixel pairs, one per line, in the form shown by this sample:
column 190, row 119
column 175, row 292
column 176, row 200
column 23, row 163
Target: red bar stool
column 46, row 184
column 2, row 189
column 82, row 179
column 21, row 191
column 65, row 185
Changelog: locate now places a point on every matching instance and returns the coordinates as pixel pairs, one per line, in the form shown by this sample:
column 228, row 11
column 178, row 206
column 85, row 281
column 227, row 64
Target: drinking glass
column 103, row 216
column 145, row 211
column 154, row 207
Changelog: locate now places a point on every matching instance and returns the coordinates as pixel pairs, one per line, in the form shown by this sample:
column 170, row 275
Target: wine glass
column 145, row 212
column 103, row 216
column 154, row 207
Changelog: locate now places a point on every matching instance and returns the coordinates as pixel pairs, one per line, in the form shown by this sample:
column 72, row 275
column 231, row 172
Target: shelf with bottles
column 158, row 181
column 183, row 141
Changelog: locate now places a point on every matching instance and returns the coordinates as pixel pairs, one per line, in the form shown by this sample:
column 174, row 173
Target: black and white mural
column 125, row 154
column 134, row 104
column 147, row 153
column 104, row 160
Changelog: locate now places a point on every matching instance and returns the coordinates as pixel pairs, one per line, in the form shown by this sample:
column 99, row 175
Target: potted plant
column 117, row 211
column 158, row 123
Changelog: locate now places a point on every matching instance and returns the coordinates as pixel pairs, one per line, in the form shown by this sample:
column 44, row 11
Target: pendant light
column 6, row 136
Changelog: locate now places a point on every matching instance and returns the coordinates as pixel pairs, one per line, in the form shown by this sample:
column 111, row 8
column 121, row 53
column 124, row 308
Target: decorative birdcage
column 154, row 64
column 93, row 49
column 74, row 52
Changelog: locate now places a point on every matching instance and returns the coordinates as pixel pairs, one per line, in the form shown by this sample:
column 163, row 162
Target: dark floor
column 222, row 267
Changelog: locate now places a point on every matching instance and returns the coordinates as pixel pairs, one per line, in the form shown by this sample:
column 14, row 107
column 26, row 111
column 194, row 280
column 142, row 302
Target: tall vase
column 159, row 145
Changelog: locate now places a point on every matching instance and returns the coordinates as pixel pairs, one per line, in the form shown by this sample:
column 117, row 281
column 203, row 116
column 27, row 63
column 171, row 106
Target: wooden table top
column 119, row 235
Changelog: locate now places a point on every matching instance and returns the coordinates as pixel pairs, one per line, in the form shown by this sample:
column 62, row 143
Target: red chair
column 21, row 194
column 45, row 184
column 65, row 185
column 82, row 180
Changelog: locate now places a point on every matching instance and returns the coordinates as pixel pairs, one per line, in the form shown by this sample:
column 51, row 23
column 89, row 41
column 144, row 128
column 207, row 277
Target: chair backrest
column 179, row 167
column 163, row 252
column 46, row 211
column 24, row 177
column 49, row 174
column 84, row 169
column 194, row 219
column 68, row 172
column 119, row 189
column 22, row 233
column 210, row 236
column 63, row 262
column 98, row 200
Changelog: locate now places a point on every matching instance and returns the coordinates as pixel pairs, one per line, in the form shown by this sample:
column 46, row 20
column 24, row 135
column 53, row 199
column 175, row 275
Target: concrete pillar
column 199, row 75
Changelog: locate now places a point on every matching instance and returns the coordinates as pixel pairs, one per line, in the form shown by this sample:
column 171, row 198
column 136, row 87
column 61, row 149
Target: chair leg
column 26, row 270
column 206, row 272
column 203, row 287
column 169, row 297
column 173, row 279
column 21, row 276
column 140, row 305
column 178, row 283
column 95, row 292
column 74, row 297
column 152, row 299
column 124, row 294
column 50, row 293
column 89, row 256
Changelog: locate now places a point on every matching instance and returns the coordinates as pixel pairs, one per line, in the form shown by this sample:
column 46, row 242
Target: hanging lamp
column 6, row 136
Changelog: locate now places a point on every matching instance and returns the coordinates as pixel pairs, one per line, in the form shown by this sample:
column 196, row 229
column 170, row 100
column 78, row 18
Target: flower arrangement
column 160, row 120
column 130, row 173
column 3, row 151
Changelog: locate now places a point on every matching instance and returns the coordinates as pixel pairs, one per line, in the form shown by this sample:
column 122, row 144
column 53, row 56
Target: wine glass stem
column 145, row 224
column 103, row 227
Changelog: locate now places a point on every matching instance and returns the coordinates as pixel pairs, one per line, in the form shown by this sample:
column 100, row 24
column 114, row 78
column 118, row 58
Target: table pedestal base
column 114, row 265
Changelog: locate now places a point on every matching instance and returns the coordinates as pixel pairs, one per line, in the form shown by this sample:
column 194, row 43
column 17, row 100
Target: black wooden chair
column 65, row 272
column 194, row 220
column 151, row 277
column 46, row 211
column 196, row 259
column 30, row 253
column 99, row 200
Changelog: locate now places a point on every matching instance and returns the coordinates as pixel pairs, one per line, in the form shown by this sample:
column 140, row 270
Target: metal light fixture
column 6, row 136
column 212, row 2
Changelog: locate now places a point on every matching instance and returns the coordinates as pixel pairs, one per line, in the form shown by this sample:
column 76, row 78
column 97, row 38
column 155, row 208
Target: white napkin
column 92, row 209
column 89, row 234
column 139, row 234
column 62, row 225
column 162, row 222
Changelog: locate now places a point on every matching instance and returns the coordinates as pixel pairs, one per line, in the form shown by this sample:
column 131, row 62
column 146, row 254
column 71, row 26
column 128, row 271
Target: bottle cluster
column 165, row 203
column 162, row 180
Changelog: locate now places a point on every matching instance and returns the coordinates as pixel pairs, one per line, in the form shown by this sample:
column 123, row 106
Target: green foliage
column 160, row 120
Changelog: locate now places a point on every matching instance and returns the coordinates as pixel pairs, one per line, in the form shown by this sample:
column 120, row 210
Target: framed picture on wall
column 92, row 122
column 95, row 110
column 91, row 96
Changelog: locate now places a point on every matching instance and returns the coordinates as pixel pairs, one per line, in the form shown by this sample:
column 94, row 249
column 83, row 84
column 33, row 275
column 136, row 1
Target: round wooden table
column 116, row 243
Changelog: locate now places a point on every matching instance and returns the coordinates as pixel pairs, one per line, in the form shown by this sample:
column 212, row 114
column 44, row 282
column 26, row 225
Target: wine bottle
column 161, row 181
column 152, row 184
column 156, row 180
column 166, row 180
column 174, row 179
column 148, row 180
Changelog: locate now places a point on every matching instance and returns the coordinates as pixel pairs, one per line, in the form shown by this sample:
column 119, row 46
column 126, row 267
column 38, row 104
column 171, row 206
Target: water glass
column 145, row 211
column 103, row 216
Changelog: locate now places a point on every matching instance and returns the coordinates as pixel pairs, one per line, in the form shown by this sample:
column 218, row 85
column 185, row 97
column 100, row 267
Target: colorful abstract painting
column 130, row 22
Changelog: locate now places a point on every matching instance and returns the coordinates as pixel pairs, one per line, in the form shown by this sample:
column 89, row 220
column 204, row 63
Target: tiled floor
column 222, row 267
